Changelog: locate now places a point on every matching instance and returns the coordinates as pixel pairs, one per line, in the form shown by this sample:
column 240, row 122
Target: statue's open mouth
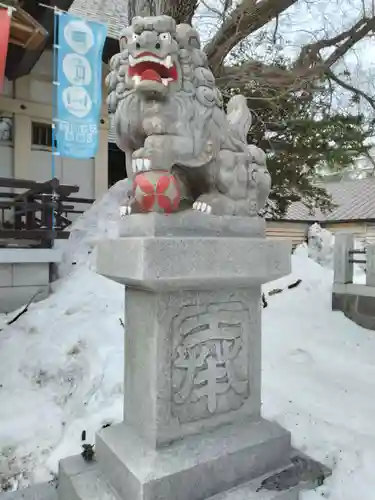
column 150, row 67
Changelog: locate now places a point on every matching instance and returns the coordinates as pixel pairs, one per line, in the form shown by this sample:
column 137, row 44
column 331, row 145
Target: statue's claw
column 199, row 206
column 140, row 165
column 125, row 210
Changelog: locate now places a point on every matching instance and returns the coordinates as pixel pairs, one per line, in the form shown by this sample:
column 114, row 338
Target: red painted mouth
column 149, row 68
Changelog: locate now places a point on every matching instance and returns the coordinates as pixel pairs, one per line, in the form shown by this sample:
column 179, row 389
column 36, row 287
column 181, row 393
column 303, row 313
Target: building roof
column 25, row 31
column 355, row 200
column 111, row 12
column 22, row 55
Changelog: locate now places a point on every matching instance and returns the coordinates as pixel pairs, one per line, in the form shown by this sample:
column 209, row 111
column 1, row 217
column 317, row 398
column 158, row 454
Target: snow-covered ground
column 61, row 370
column 319, row 381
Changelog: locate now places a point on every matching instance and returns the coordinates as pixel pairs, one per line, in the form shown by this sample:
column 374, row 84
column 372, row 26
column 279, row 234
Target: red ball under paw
column 156, row 191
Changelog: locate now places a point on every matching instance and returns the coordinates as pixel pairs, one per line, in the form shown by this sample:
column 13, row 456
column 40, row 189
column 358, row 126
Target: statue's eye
column 135, row 37
column 165, row 37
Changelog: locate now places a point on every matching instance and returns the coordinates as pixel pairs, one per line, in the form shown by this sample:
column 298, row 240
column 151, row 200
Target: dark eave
column 349, row 221
column 25, row 31
column 21, row 61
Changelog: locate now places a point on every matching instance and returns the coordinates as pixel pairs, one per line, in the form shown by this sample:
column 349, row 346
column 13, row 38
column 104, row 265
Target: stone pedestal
column 192, row 427
column 370, row 265
column 343, row 268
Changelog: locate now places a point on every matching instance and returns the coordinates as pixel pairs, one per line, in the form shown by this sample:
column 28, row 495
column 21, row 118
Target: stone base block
column 80, row 480
column 194, row 468
column 88, row 483
column 302, row 473
column 249, row 491
column 357, row 302
column 191, row 223
column 192, row 252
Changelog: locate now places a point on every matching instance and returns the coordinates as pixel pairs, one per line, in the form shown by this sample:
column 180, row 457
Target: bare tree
column 236, row 22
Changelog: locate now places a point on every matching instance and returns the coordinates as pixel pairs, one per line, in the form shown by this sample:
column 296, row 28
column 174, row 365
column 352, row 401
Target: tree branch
column 264, row 75
column 181, row 10
column 308, row 68
column 245, row 19
column 219, row 14
column 357, row 34
column 343, row 43
column 351, row 88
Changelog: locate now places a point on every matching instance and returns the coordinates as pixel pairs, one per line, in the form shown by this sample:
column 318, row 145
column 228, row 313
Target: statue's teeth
column 136, row 80
column 168, row 62
column 165, row 81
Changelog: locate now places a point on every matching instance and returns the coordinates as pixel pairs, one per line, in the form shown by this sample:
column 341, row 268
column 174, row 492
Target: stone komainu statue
column 168, row 115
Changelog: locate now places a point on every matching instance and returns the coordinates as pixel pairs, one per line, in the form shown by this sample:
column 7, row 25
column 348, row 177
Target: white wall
column 6, row 146
column 8, row 88
column 41, row 88
column 6, row 161
column 29, row 99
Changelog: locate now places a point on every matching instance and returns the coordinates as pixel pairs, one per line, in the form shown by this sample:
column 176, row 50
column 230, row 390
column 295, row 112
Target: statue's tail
column 239, row 117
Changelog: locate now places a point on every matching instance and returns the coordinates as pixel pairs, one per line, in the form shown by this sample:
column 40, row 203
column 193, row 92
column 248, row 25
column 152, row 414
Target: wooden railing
column 34, row 214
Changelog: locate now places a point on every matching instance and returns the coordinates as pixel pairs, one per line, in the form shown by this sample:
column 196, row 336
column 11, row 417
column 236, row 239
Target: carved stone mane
column 168, row 115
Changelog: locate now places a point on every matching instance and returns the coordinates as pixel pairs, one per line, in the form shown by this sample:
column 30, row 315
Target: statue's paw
column 156, row 153
column 200, row 206
column 141, row 165
column 125, row 210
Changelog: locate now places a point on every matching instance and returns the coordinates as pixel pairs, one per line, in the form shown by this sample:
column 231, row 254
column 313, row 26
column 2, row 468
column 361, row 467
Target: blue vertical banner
column 78, row 85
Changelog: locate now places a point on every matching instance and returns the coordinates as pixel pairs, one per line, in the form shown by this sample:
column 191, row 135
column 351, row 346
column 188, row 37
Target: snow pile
column 320, row 244
column 319, row 380
column 61, row 364
column 99, row 221
column 61, row 371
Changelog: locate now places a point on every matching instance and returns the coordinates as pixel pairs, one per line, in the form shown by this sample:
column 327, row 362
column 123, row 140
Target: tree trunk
column 181, row 10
